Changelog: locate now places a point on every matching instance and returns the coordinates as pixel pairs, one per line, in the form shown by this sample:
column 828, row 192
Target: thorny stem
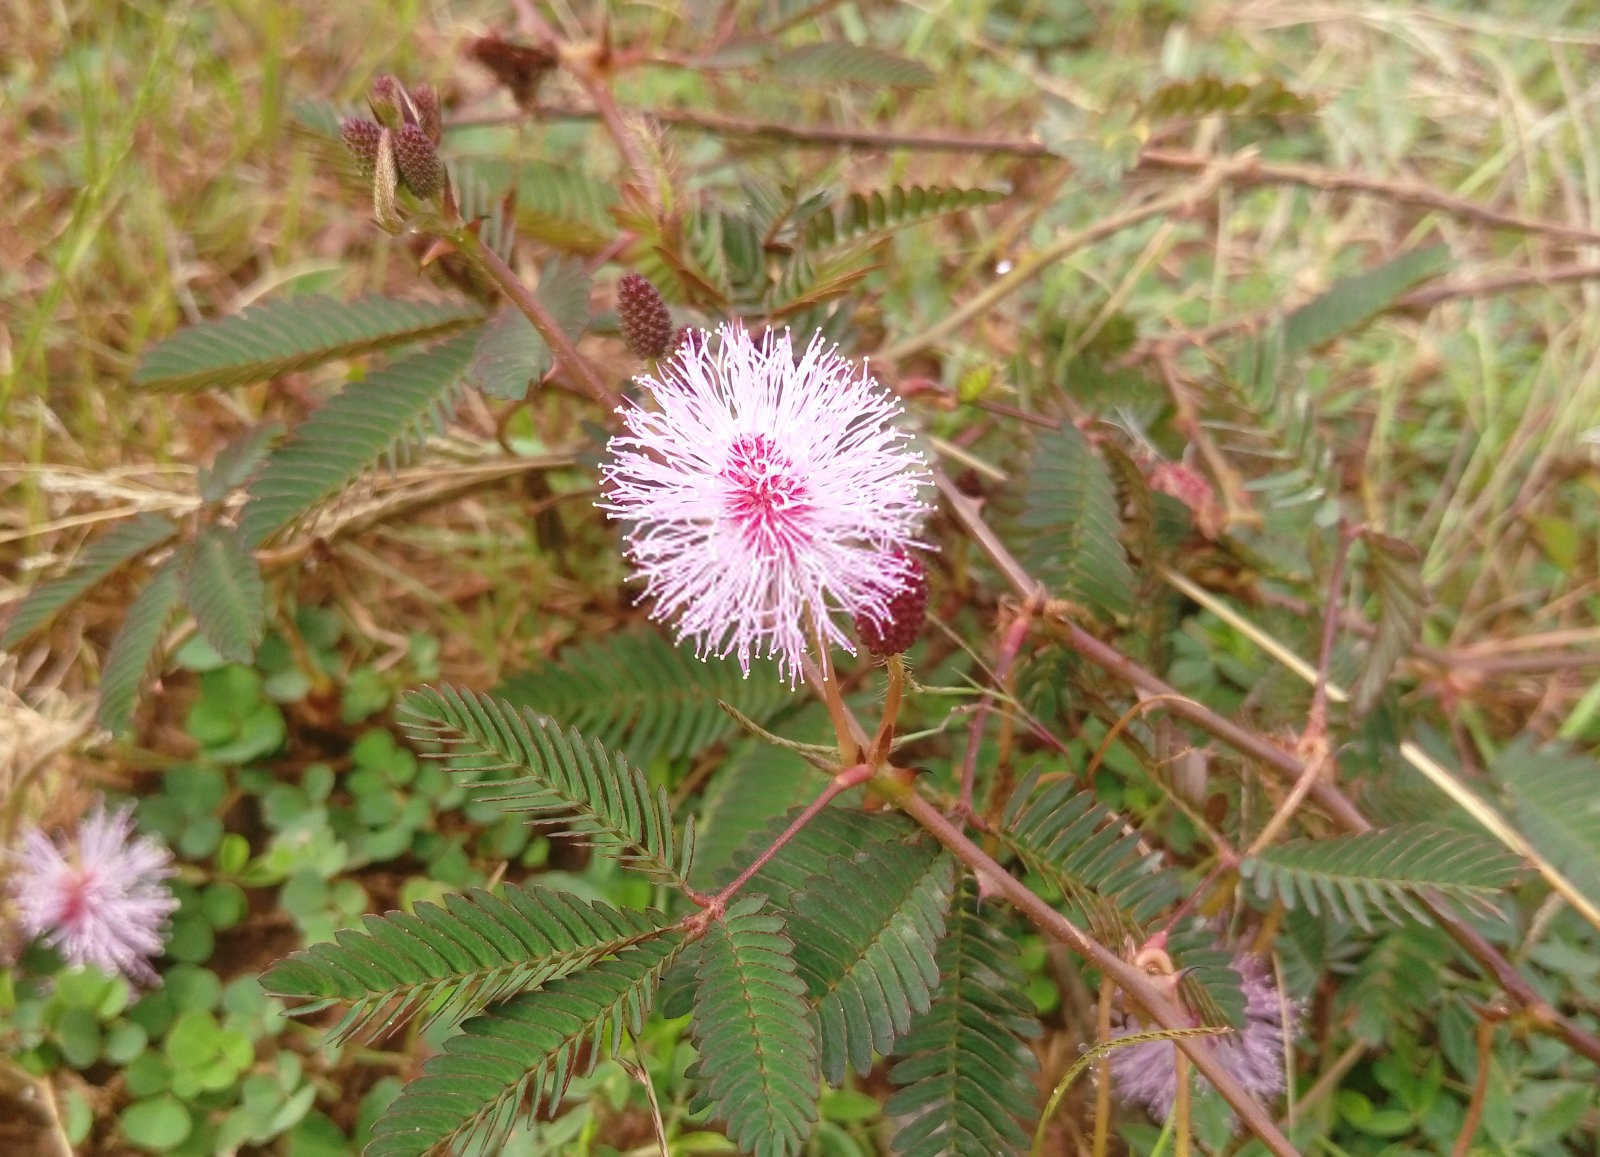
column 1317, row 720
column 1130, row 979
column 715, row 905
column 1480, row 1088
column 1540, row 1012
column 1102, row 1070
column 1180, row 1106
column 566, row 354
column 883, row 742
column 1029, row 267
column 1010, row 647
column 821, row 677
column 1314, row 747
column 1253, row 172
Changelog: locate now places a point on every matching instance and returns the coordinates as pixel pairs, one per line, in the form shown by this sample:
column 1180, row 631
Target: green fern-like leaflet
column 558, row 775
column 452, row 961
column 1387, row 871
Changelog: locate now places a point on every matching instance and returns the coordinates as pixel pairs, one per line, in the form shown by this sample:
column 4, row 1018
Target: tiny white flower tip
column 764, row 496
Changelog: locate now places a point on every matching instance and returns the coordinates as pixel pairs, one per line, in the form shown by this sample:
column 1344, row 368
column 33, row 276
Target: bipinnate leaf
column 1553, row 801
column 562, row 776
column 452, row 961
column 1060, row 832
column 222, row 589
column 636, row 692
column 123, row 543
column 758, row 1050
column 519, row 1055
column 297, row 333
column 1070, row 521
column 840, row 62
column 865, row 930
column 511, row 353
column 237, row 461
column 1355, row 300
column 135, row 649
column 1394, row 575
column 862, row 218
column 380, row 416
column 755, row 784
column 1207, row 94
column 1387, row 871
column 965, row 1072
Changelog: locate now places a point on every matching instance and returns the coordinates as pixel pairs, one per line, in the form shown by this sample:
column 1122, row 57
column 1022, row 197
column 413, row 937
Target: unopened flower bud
column 418, row 162
column 388, row 102
column 361, row 137
column 908, row 610
column 688, row 341
column 425, row 99
column 646, row 324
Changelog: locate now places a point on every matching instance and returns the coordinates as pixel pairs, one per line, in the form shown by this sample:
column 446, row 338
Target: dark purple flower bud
column 418, row 162
column 646, row 324
column 425, row 98
column 388, row 102
column 362, row 138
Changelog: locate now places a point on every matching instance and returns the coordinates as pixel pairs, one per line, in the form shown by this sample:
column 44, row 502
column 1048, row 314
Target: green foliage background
column 168, row 173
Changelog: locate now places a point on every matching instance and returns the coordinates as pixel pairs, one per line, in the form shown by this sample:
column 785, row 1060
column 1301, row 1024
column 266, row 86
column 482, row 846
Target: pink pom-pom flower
column 98, row 898
column 1146, row 1073
column 766, row 495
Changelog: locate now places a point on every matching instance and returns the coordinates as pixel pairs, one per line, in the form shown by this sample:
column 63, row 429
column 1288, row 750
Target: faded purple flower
column 765, row 494
column 99, row 899
column 1147, row 1073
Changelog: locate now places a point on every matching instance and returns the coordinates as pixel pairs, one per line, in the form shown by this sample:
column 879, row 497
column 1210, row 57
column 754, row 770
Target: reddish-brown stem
column 848, row 778
column 1130, row 979
column 566, row 354
column 1539, row 1011
column 884, row 740
column 1480, row 1088
column 1259, row 172
column 1010, row 647
column 1317, row 718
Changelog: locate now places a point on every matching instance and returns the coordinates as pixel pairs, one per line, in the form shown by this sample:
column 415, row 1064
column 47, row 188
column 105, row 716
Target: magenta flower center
column 765, row 498
column 75, row 899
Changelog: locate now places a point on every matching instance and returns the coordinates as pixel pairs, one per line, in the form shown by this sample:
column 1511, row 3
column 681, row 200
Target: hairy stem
column 566, row 354
column 848, row 778
column 1010, row 647
column 1480, row 1089
column 1542, row 1015
column 1102, row 1071
column 1130, row 979
column 883, row 742
column 1030, row 267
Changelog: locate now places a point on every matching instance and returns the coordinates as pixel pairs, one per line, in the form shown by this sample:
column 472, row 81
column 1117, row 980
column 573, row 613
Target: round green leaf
column 233, row 853
column 224, row 904
column 124, row 1041
column 191, row 939
column 192, row 989
column 156, row 1125
column 147, row 1074
column 78, row 1037
column 199, row 837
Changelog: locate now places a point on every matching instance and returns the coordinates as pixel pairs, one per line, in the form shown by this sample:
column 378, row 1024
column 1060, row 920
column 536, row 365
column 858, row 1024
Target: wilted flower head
column 765, row 493
column 99, row 898
column 1147, row 1073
